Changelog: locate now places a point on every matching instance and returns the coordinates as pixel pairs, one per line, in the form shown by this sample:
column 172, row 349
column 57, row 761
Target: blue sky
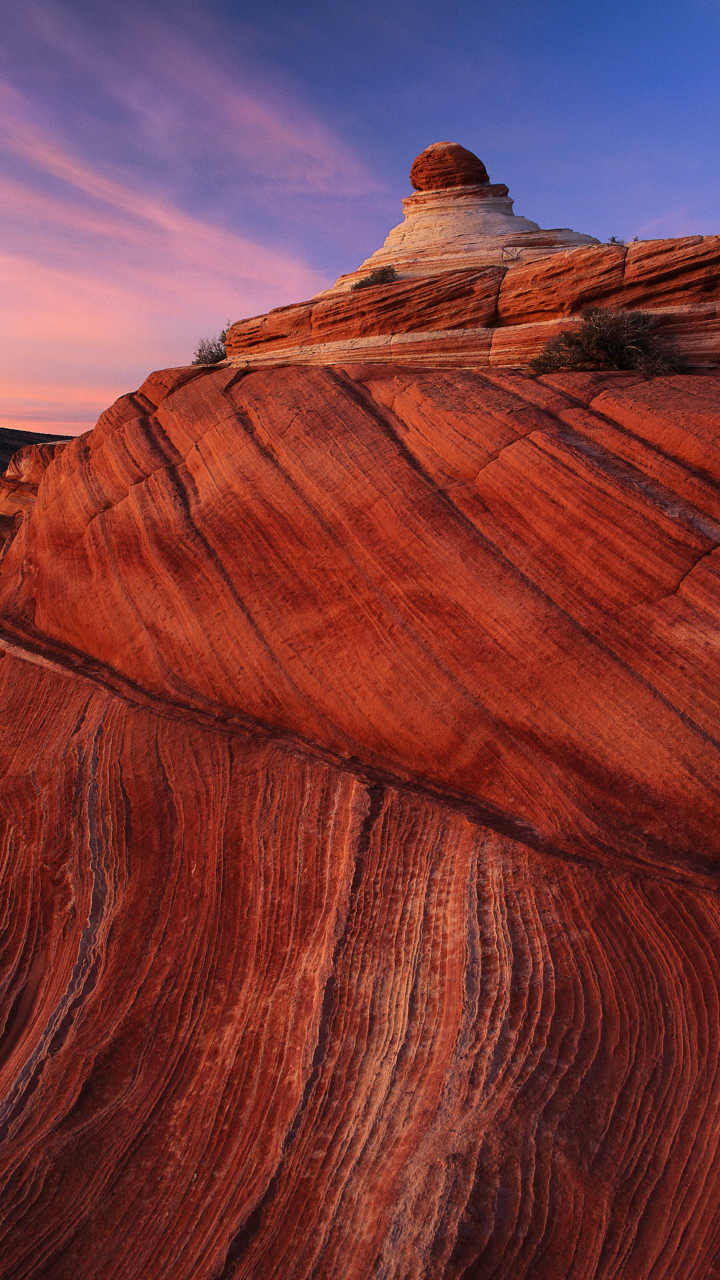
column 166, row 167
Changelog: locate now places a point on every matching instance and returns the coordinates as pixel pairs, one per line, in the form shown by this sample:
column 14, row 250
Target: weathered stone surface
column 457, row 300
column 562, row 285
column 463, row 228
column 672, row 271
column 358, row 818
column 458, row 219
column 446, row 164
column 512, row 310
column 649, row 275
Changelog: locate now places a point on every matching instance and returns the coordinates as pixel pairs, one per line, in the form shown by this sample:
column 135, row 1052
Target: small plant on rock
column 608, row 339
column 381, row 275
column 211, row 350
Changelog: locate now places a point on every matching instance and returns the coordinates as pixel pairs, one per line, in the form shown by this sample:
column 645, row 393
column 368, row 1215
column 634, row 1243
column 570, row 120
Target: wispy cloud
column 673, row 222
column 115, row 260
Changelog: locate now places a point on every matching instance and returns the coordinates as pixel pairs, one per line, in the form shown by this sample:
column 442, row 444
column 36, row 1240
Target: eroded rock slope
column 360, row 819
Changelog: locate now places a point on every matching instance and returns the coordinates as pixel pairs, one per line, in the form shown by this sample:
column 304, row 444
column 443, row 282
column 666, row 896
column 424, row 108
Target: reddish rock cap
column 447, row 164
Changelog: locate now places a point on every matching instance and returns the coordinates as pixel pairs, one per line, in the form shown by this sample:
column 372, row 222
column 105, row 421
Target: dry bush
column 211, row 350
column 608, row 339
column 381, row 275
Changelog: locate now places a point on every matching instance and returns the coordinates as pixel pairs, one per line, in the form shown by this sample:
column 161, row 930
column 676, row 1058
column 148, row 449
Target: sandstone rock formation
column 467, row 268
column 360, row 832
column 359, row 806
column 498, row 315
column 447, row 164
column 459, row 219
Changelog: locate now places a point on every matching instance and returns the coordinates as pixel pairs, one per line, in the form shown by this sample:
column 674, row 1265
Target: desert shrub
column 608, row 339
column 615, row 240
column 381, row 275
column 211, row 350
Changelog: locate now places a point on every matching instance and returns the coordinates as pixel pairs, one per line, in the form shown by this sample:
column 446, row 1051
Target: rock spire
column 457, row 218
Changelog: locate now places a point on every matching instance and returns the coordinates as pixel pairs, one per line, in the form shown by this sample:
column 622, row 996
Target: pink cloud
column 101, row 282
column 676, row 222
column 107, row 270
column 173, row 75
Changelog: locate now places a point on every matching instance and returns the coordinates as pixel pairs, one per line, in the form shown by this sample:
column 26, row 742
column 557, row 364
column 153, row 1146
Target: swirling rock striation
column 359, row 815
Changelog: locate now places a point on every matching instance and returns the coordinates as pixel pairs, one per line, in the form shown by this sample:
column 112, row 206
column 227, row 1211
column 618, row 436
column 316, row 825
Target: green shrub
column 608, row 339
column 381, row 275
column 211, row 350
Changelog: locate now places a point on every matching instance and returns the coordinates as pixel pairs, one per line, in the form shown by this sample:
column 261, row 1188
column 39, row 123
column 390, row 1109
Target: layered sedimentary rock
column 468, row 270
column 359, row 814
column 498, row 315
column 447, row 164
column 458, row 219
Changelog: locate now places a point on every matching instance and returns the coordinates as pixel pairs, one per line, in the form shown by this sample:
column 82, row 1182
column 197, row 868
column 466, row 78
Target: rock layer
column 359, row 816
column 498, row 315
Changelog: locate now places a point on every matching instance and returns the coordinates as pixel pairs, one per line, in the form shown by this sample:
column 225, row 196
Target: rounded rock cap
column 447, row 164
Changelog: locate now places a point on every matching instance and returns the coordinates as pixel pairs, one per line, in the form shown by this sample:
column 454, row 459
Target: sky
column 167, row 167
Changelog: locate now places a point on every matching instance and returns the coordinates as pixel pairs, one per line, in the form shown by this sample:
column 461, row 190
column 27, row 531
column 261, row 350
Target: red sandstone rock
column 658, row 272
column 649, row 275
column 359, row 820
column 674, row 279
column 561, row 285
column 447, row 164
column 455, row 300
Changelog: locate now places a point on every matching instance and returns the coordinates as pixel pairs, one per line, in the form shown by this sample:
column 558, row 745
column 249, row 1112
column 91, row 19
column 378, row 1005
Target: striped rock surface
column 497, row 315
column 360, row 820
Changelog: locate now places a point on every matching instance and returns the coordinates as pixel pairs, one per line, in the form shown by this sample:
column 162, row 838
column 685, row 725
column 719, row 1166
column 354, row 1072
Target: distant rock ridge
column 12, row 439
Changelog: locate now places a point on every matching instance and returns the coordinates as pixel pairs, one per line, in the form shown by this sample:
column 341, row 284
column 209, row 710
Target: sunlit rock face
column 499, row 316
column 359, row 819
column 447, row 164
column 475, row 286
column 359, row 799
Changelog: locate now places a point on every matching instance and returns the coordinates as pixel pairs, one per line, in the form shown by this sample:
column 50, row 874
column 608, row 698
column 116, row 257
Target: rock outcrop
column 359, row 804
column 360, row 821
column 458, row 219
column 498, row 316
column 467, row 269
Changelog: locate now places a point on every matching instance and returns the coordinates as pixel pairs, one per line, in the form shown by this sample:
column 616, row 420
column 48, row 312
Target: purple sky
column 167, row 167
